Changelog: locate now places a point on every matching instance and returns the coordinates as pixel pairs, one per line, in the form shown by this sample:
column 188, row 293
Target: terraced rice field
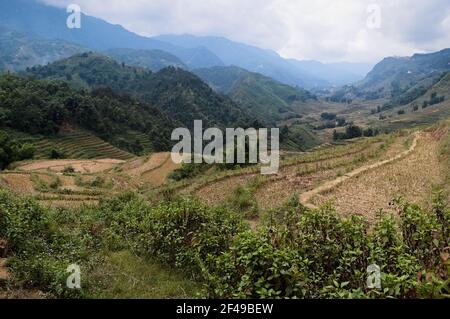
column 412, row 176
column 88, row 181
column 302, row 172
column 77, row 144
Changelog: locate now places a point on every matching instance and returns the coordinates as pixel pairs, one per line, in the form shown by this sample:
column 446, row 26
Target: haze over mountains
column 31, row 17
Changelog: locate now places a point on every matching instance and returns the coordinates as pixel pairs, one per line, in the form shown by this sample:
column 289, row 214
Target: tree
column 353, row 131
column 11, row 150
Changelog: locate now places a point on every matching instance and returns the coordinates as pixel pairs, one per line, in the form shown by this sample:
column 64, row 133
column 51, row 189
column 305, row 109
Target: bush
column 317, row 254
column 295, row 253
column 68, row 170
column 40, row 253
column 179, row 233
column 12, row 151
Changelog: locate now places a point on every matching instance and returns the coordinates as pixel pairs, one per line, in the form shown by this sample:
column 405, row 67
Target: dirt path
column 306, row 197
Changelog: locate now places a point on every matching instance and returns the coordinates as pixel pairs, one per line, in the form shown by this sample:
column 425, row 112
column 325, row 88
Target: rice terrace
column 93, row 205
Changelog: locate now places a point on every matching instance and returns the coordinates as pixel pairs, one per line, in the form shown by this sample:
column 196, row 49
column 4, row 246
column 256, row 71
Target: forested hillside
column 400, row 80
column 268, row 99
column 182, row 95
column 154, row 60
column 44, row 107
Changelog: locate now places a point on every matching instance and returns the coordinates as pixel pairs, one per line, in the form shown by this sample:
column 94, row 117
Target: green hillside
column 46, row 108
column 440, row 89
column 182, row 95
column 299, row 137
column 77, row 144
column 154, row 60
column 398, row 80
column 268, row 99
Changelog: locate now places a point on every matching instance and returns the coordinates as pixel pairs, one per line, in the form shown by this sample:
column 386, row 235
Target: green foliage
column 328, row 116
column 173, row 93
column 41, row 253
column 188, row 171
column 317, row 254
column 296, row 253
column 154, row 60
column 352, row 131
column 41, row 107
column 269, row 100
column 11, row 150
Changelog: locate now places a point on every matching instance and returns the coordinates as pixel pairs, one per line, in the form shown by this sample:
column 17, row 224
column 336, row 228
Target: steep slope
column 154, row 60
column 47, row 108
column 438, row 90
column 33, row 17
column 268, row 99
column 19, row 51
column 394, row 76
column 178, row 93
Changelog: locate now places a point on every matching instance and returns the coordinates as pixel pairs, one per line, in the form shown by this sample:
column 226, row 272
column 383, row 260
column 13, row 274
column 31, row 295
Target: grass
column 124, row 275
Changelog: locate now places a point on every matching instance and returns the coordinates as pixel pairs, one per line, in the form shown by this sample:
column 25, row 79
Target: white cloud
column 327, row 30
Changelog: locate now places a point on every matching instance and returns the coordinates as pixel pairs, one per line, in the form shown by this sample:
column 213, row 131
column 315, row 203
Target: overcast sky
column 325, row 30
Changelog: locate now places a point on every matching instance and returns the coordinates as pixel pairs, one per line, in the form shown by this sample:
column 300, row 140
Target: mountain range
column 400, row 80
column 33, row 18
column 260, row 95
column 178, row 93
column 19, row 51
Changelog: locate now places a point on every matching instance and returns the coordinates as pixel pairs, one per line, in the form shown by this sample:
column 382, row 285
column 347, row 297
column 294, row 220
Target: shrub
column 68, row 170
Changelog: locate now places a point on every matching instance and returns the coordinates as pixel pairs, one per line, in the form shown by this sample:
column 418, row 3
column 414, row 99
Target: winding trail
column 306, row 197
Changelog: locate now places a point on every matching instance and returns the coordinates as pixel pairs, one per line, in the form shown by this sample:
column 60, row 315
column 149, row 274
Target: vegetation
column 269, row 100
column 297, row 253
column 154, row 60
column 12, row 151
column 172, row 91
column 42, row 107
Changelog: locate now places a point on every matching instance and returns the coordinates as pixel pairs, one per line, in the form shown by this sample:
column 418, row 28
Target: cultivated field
column 360, row 177
column 69, row 183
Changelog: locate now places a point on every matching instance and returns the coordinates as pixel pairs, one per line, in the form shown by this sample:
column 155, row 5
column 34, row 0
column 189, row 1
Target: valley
column 89, row 121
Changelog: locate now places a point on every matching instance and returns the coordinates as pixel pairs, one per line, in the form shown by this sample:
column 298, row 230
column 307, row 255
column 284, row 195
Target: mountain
column 34, row 18
column 336, row 74
column 41, row 107
column 19, row 51
column 437, row 93
column 268, row 99
column 254, row 59
column 396, row 75
column 398, row 80
column 154, row 60
column 178, row 93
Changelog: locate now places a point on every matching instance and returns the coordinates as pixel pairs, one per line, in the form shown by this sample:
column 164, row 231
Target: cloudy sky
column 325, row 30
